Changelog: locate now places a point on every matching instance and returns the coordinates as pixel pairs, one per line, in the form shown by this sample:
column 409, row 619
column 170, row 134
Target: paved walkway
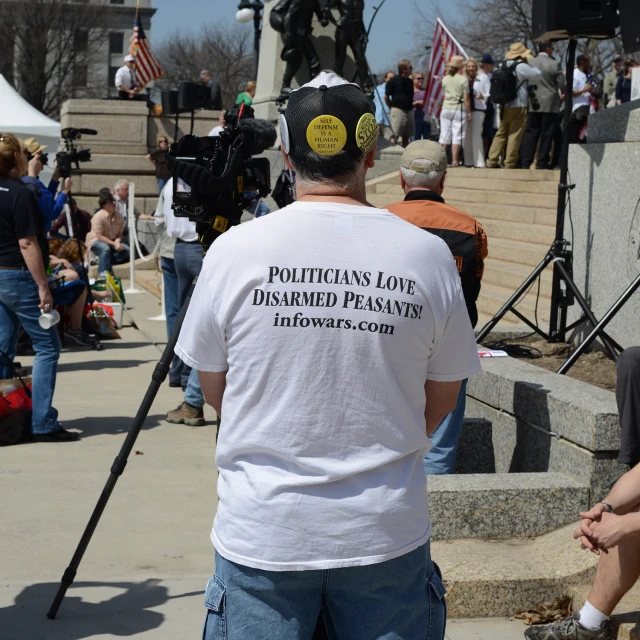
column 145, row 569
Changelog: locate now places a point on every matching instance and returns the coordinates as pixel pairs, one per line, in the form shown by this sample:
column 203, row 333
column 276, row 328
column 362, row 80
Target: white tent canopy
column 17, row 116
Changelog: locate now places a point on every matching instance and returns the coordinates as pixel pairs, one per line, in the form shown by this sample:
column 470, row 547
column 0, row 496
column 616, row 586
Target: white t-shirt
column 579, row 83
column 329, row 318
column 216, row 131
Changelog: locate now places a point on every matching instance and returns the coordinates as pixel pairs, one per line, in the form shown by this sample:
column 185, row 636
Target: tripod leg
column 117, row 469
column 598, row 329
column 514, row 299
column 585, row 307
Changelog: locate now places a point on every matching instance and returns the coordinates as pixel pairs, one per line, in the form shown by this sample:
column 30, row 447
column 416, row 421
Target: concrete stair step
column 526, row 215
column 455, row 180
column 519, row 231
column 626, row 616
column 524, row 253
column 520, row 504
column 492, row 298
column 538, row 201
column 487, row 578
column 512, row 275
column 506, row 174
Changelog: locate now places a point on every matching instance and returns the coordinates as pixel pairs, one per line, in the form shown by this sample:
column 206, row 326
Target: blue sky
column 390, row 35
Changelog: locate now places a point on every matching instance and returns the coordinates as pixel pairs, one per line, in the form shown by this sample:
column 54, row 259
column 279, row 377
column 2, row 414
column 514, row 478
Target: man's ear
column 403, row 182
column 370, row 160
column 444, row 177
column 287, row 161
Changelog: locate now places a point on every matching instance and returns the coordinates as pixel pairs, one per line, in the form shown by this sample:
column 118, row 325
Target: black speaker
column 630, row 22
column 193, row 96
column 169, row 103
column 562, row 19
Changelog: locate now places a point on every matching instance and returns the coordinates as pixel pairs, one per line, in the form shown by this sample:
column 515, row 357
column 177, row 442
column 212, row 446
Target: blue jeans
column 423, row 128
column 170, row 288
column 19, row 302
column 188, row 257
column 161, row 184
column 107, row 255
column 401, row 599
column 442, row 457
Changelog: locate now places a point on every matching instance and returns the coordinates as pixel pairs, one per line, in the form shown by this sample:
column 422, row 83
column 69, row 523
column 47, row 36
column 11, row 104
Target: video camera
column 70, row 156
column 223, row 178
column 44, row 158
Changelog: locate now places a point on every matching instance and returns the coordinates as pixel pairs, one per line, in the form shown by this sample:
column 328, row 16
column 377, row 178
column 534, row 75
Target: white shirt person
column 126, row 80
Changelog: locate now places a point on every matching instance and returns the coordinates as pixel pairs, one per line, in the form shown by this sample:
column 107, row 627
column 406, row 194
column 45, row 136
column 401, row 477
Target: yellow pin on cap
column 367, row 132
column 327, row 135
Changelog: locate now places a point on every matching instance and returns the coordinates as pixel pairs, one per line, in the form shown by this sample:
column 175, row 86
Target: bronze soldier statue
column 351, row 32
column 293, row 18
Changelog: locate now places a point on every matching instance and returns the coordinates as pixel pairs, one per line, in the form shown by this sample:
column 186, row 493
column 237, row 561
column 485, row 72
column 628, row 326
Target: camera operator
column 24, row 288
column 543, row 122
column 50, row 205
column 513, row 115
column 331, row 349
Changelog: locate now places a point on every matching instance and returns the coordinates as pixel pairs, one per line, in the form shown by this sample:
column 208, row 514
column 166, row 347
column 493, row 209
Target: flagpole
column 454, row 40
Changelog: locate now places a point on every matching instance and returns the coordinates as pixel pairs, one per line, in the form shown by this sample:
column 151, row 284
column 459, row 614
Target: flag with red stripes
column 443, row 48
column 147, row 67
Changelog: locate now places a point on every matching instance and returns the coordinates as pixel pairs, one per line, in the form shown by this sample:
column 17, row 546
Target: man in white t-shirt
column 581, row 98
column 331, row 337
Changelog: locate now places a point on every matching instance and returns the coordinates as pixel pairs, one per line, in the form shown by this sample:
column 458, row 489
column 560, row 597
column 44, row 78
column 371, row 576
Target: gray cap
column 431, row 157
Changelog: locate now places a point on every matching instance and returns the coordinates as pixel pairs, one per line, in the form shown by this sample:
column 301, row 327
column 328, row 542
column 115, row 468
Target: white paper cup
column 49, row 319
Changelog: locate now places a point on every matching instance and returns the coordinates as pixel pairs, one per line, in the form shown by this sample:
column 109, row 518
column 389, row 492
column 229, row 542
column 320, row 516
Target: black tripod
column 564, row 290
column 117, row 469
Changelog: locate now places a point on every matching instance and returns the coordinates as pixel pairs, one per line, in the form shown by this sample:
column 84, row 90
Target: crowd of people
column 491, row 125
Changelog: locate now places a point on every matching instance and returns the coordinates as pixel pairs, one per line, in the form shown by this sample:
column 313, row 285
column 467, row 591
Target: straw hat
column 457, row 62
column 518, row 50
column 32, row 146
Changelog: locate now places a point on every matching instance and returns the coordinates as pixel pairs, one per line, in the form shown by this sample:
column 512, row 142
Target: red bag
column 15, row 408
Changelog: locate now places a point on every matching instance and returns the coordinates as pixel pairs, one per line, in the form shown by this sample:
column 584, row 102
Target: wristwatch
column 608, row 506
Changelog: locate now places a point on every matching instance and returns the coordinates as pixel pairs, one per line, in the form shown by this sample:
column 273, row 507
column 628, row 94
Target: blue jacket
column 50, row 206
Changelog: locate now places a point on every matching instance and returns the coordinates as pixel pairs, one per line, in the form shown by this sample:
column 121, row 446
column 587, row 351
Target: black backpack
column 504, row 84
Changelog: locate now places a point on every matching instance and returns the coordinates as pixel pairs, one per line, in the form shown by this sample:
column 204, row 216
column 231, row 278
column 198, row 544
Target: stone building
column 100, row 51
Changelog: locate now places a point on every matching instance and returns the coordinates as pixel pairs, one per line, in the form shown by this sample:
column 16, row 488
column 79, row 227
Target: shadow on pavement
column 109, row 425
column 96, row 613
column 99, row 365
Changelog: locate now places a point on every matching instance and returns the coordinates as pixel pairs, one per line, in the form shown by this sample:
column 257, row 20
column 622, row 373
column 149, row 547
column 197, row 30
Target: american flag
column 444, row 47
column 147, row 67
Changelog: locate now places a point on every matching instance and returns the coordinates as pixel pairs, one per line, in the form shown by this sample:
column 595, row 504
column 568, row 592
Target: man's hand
column 587, row 88
column 34, row 167
column 468, row 117
column 594, row 514
column 66, row 186
column 118, row 246
column 46, row 300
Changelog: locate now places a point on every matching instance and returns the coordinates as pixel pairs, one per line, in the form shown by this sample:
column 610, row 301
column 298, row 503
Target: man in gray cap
column 332, row 349
column 422, row 175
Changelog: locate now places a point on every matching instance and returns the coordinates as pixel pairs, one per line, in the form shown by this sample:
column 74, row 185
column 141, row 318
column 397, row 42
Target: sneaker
column 61, row 435
column 79, row 337
column 186, row 414
column 568, row 629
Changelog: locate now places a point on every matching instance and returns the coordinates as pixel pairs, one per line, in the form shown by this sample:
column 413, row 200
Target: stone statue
column 293, row 18
column 351, row 32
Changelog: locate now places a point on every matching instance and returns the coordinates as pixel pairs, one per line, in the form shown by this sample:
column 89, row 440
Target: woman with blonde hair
column 479, row 89
column 248, row 94
column 456, row 108
column 24, row 288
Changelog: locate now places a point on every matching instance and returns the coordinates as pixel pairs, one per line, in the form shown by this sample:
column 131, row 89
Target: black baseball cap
column 329, row 116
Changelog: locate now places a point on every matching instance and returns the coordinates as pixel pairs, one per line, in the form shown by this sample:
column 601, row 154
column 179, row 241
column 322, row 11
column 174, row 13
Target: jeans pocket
column 437, row 604
column 215, row 624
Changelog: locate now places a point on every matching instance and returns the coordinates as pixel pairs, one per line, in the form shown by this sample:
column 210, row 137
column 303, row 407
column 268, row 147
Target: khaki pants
column 509, row 136
column 404, row 124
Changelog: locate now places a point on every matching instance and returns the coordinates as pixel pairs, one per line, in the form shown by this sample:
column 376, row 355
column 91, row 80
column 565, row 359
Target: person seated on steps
column 611, row 530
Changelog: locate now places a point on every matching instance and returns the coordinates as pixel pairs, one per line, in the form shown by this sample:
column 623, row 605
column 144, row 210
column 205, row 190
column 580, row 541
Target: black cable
column 516, row 350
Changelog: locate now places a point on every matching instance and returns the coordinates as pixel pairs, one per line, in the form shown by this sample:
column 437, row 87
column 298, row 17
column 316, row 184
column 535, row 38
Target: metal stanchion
column 132, row 242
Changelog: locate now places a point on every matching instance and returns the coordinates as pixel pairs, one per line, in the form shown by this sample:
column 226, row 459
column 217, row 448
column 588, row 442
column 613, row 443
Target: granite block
column 503, row 506
column 475, row 448
column 621, row 124
column 522, row 448
column 606, row 230
column 575, row 410
column 498, row 578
